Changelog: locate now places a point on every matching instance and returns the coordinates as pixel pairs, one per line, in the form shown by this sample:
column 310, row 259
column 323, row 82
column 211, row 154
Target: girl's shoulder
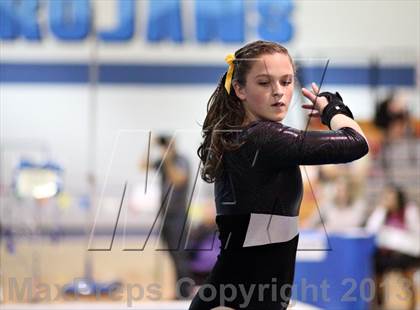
column 263, row 125
column 263, row 130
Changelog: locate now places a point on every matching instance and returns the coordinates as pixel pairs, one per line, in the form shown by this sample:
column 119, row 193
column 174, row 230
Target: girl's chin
column 277, row 117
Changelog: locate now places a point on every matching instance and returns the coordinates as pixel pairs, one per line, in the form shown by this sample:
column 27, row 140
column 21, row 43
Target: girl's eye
column 285, row 83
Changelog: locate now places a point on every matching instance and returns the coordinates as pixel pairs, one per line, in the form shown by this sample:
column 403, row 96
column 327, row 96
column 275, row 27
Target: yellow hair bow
column 229, row 60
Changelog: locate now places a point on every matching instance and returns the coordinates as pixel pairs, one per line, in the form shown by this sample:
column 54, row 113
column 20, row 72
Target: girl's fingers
column 308, row 106
column 314, row 115
column 315, row 88
column 308, row 94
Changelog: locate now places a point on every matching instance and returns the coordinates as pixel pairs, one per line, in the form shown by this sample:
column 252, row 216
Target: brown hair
column 226, row 113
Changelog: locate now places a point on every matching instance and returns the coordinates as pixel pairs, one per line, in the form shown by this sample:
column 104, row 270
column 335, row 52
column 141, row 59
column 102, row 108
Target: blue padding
column 344, row 272
column 110, row 73
column 160, row 74
column 43, row 73
column 362, row 75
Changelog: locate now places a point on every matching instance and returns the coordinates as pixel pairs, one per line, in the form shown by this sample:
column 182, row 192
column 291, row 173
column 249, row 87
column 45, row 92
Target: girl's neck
column 249, row 118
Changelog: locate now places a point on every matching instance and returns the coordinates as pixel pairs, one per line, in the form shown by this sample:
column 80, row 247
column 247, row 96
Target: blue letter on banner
column 275, row 24
column 220, row 19
column 125, row 29
column 164, row 21
column 19, row 18
column 70, row 19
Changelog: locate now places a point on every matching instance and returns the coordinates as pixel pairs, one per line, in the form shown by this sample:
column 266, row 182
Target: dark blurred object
column 7, row 234
column 163, row 140
column 386, row 113
column 88, row 287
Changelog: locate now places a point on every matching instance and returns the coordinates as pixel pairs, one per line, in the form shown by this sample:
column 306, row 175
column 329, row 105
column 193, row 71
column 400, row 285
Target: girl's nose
column 277, row 89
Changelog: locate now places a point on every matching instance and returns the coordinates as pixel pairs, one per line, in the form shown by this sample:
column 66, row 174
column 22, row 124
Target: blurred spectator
column 174, row 171
column 392, row 116
column 395, row 221
column 398, row 159
column 345, row 209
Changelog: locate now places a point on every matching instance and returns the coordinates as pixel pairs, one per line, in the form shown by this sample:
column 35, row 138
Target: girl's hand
column 318, row 103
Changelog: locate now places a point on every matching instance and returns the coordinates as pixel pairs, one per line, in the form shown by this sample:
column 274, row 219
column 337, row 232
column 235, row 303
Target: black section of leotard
column 268, row 269
column 232, row 230
column 263, row 176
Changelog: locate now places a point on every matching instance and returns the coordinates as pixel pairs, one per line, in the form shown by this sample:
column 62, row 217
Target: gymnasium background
column 83, row 83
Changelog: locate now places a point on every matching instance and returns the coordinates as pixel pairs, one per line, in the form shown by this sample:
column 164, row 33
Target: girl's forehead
column 273, row 65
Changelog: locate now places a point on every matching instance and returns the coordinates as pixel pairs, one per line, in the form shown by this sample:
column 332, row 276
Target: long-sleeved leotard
column 258, row 198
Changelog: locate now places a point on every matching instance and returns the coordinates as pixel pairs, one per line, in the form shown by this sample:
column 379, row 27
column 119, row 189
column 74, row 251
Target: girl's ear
column 239, row 90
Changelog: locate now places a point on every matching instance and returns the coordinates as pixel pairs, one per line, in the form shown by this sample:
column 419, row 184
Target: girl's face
column 268, row 90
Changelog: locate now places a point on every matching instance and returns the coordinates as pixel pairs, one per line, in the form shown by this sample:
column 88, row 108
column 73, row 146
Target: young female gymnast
column 253, row 160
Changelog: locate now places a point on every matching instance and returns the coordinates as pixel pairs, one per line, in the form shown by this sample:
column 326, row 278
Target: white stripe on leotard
column 270, row 228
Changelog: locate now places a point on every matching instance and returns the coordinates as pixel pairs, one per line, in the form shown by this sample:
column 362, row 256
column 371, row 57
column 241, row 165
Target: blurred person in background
column 344, row 210
column 396, row 223
column 174, row 171
column 398, row 159
column 393, row 118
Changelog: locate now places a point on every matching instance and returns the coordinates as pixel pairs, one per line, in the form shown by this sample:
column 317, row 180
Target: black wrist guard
column 335, row 106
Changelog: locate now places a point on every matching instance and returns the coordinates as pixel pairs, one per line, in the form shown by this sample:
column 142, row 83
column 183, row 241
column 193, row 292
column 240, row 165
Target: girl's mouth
column 278, row 104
